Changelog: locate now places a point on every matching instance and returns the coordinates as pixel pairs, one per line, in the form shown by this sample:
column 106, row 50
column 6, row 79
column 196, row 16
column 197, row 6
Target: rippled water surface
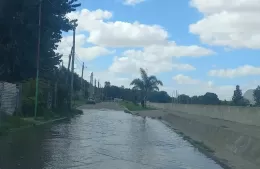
column 101, row 139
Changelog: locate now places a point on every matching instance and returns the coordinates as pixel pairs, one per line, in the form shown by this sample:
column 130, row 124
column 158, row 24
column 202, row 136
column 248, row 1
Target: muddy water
column 101, row 139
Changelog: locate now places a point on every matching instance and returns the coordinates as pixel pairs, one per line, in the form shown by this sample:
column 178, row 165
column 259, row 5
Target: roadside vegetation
column 134, row 107
column 137, row 95
column 145, row 85
column 12, row 122
column 18, row 62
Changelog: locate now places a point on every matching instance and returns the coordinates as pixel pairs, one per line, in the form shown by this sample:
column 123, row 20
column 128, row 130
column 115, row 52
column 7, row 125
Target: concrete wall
column 244, row 115
column 8, row 97
column 235, row 149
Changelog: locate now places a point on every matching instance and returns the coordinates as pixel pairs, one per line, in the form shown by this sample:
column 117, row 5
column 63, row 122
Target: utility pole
column 55, row 91
column 72, row 67
column 69, row 66
column 172, row 97
column 82, row 74
column 98, row 89
column 95, row 87
column 91, row 91
column 177, row 98
column 37, row 61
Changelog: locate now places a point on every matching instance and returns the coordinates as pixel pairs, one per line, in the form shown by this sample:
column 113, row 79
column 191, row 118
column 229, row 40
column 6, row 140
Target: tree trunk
column 145, row 100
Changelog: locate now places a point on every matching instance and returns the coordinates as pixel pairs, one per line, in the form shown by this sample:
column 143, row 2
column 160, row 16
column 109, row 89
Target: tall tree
column 159, row 97
column 237, row 98
column 19, row 36
column 211, row 98
column 146, row 84
column 256, row 95
column 183, row 99
column 107, row 84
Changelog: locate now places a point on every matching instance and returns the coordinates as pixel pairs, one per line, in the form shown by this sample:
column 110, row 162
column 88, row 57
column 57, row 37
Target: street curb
column 126, row 110
column 35, row 124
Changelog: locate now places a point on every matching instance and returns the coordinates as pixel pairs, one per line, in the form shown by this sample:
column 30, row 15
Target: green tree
column 238, row 99
column 146, row 84
column 107, row 84
column 19, row 36
column 194, row 100
column 211, row 99
column 256, row 95
column 183, row 99
column 159, row 97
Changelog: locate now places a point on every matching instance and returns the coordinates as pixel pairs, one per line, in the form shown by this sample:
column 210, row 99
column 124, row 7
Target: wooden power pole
column 72, row 67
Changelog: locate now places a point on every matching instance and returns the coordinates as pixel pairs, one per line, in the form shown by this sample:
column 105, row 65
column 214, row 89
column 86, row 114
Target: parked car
column 91, row 101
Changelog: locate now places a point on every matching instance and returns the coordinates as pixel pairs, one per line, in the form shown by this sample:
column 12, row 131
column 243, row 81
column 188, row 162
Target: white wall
column 8, row 96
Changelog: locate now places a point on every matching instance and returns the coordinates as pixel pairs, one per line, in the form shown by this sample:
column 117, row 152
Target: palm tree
column 146, row 84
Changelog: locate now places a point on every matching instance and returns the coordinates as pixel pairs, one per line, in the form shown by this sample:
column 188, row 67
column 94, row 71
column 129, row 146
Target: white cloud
column 183, row 67
column 182, row 79
column 231, row 23
column 157, row 58
column 132, row 65
column 118, row 33
column 132, row 2
column 157, row 52
column 245, row 70
column 85, row 53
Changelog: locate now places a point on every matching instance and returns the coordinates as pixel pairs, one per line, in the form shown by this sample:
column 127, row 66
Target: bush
column 47, row 114
column 10, row 122
column 28, row 107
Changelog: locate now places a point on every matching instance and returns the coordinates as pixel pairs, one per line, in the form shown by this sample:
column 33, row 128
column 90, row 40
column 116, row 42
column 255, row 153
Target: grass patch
column 80, row 102
column 134, row 107
column 76, row 111
column 13, row 122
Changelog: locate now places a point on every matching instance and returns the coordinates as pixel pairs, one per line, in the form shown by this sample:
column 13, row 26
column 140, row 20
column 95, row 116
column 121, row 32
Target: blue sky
column 192, row 46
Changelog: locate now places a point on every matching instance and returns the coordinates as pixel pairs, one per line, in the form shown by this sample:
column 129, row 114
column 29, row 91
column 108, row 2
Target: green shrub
column 28, row 107
column 47, row 114
column 11, row 122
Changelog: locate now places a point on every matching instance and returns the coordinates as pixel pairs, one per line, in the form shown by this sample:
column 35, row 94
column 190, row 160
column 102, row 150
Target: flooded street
column 101, row 139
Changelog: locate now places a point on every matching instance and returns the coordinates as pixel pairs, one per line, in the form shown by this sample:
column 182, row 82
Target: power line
column 78, row 57
column 78, row 60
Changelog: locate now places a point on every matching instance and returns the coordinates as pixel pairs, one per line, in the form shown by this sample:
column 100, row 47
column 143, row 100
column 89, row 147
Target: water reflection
column 101, row 139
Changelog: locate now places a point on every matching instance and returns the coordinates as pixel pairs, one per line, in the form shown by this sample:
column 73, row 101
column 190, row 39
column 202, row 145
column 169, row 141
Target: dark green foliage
column 207, row 99
column 211, row 98
column 184, row 99
column 159, row 97
column 19, row 36
column 59, row 77
column 256, row 95
column 146, row 84
column 135, row 96
column 238, row 99
column 11, row 122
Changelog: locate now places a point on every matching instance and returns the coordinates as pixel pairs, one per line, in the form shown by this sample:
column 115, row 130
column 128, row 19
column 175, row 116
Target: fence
column 20, row 99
